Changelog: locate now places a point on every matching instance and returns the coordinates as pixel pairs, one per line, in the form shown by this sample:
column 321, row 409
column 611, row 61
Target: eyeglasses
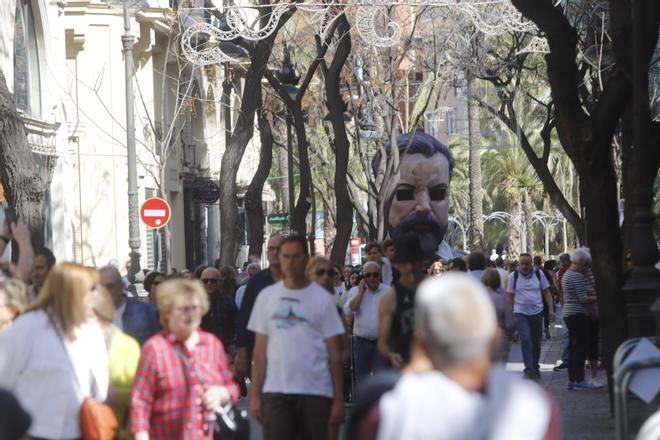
column 371, row 275
column 209, row 280
column 189, row 308
column 329, row 272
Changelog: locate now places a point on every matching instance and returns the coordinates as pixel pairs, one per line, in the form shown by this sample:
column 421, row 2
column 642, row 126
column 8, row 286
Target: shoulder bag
column 97, row 420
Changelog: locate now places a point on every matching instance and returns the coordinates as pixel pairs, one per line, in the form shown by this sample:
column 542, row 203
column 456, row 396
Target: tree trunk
column 529, row 220
column 515, row 229
column 476, row 235
column 25, row 177
column 253, row 197
column 299, row 214
column 241, row 136
column 342, row 145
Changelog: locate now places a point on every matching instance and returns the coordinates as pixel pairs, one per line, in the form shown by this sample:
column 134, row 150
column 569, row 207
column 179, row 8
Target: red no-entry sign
column 155, row 212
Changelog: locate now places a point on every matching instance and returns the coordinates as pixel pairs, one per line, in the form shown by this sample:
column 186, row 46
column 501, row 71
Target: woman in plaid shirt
column 184, row 375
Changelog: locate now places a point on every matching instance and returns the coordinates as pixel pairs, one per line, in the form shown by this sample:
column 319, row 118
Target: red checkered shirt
column 169, row 384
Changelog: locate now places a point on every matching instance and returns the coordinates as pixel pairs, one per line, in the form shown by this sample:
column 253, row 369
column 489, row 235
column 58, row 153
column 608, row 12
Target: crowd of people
column 306, row 334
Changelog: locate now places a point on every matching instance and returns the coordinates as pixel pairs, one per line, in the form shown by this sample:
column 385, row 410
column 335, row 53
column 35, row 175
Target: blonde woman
column 123, row 355
column 13, row 301
column 53, row 356
column 183, row 375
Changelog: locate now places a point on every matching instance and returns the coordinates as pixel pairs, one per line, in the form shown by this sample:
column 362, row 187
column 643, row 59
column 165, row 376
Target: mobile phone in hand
column 10, row 216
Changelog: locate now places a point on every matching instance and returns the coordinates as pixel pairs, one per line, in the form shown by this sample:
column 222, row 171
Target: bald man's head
column 210, row 279
column 371, row 274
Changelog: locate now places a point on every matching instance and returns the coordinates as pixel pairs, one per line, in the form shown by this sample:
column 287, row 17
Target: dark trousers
column 296, row 416
column 578, row 345
column 366, row 358
column 530, row 329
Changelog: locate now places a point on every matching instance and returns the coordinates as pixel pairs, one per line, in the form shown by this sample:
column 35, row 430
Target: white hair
column 581, row 255
column 455, row 317
column 255, row 266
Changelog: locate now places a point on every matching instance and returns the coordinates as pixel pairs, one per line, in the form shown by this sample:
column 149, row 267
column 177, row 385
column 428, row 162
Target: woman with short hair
column 53, row 356
column 13, row 301
column 183, row 376
column 493, row 282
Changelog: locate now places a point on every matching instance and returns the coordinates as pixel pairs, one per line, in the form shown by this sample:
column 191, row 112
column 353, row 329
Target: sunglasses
column 329, row 272
column 371, row 275
column 209, row 280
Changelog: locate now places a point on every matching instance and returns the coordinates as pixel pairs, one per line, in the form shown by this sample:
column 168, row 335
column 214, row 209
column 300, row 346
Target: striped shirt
column 576, row 288
column 170, row 384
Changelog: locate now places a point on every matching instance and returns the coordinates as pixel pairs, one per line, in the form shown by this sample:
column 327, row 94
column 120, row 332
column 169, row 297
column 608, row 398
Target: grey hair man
column 451, row 381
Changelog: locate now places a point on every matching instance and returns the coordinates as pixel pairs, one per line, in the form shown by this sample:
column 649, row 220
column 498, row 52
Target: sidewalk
column 585, row 414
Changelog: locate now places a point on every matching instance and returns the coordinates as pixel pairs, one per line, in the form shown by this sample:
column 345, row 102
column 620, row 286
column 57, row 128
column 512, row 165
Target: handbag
column 231, row 423
column 97, row 420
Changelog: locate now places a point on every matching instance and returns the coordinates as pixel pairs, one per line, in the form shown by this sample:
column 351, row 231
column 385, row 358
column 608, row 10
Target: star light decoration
column 371, row 19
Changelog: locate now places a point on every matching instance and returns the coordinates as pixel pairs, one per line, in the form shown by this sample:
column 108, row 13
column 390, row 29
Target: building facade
column 63, row 61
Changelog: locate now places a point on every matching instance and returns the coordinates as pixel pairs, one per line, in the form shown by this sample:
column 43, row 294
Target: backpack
column 515, row 278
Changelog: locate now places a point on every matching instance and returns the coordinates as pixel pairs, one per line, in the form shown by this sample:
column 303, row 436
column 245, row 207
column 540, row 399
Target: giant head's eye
column 404, row 194
column 438, row 193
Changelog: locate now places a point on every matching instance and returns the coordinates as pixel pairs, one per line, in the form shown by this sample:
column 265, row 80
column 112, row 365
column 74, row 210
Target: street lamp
column 128, row 40
column 289, row 80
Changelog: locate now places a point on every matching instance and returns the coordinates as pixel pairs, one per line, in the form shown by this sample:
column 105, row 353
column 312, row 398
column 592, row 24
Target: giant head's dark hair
column 422, row 143
column 295, row 238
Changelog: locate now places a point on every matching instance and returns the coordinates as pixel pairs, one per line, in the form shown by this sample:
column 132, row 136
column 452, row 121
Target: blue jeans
column 530, row 330
column 366, row 358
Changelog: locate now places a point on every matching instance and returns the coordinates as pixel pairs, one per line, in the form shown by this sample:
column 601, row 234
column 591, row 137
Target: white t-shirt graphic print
column 297, row 323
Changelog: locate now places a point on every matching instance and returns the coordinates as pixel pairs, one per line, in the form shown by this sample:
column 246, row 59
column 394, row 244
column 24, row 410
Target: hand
column 257, row 407
column 241, row 363
column 20, row 232
column 362, row 286
column 216, row 396
column 337, row 411
column 396, row 360
column 551, row 316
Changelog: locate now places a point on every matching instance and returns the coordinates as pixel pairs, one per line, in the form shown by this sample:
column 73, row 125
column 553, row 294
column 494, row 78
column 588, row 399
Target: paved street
column 585, row 414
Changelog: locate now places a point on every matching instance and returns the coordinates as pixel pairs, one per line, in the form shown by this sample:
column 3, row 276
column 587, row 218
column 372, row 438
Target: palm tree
column 508, row 174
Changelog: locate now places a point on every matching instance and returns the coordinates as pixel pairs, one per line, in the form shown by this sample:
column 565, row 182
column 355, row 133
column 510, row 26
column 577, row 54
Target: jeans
column 366, row 358
column 530, row 330
column 296, row 416
column 578, row 333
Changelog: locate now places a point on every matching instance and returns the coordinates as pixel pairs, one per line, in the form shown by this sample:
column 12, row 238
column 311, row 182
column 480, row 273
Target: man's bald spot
column 210, row 271
column 276, row 239
column 371, row 263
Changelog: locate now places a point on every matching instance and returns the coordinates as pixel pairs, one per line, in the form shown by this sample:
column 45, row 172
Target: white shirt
column 297, row 323
column 431, row 406
column 240, row 292
column 366, row 316
column 118, row 321
column 36, row 369
column 386, row 271
column 528, row 298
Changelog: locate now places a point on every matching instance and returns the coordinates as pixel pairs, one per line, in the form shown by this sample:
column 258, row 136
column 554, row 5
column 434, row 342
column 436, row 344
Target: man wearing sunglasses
column 362, row 304
column 420, row 198
column 220, row 320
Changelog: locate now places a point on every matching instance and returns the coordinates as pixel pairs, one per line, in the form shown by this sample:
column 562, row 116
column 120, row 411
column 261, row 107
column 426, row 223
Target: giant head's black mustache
column 430, row 230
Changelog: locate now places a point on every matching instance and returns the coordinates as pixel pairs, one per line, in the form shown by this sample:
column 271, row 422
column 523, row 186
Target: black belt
column 369, row 340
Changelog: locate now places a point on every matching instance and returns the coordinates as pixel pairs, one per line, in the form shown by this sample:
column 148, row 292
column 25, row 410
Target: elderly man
column 420, row 199
column 133, row 317
column 362, row 303
column 221, row 317
column 451, row 390
column 527, row 289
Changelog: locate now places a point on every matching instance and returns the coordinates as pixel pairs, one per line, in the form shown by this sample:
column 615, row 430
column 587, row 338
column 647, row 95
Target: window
column 27, row 89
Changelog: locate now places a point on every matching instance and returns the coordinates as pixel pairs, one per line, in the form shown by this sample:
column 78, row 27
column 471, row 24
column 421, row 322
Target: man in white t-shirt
column 297, row 331
column 528, row 288
column 362, row 303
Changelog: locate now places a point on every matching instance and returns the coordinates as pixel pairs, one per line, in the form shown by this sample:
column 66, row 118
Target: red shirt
column 169, row 384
